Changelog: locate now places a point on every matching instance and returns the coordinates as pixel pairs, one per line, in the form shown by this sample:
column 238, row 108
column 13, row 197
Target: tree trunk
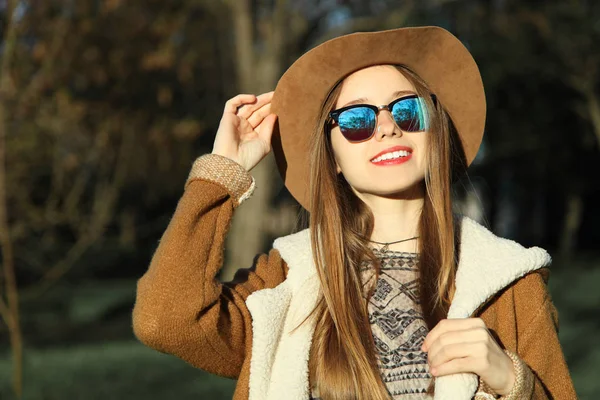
column 505, row 220
column 594, row 110
column 538, row 218
column 568, row 240
column 256, row 74
column 9, row 309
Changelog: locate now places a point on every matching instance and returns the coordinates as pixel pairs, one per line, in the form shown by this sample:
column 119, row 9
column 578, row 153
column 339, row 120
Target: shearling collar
column 279, row 363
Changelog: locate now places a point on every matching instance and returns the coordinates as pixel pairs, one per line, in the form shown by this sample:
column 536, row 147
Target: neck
column 396, row 218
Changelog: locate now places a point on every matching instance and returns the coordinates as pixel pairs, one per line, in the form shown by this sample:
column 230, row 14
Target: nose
column 386, row 126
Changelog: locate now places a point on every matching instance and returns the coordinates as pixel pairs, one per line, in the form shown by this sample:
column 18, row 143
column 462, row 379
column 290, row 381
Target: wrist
column 521, row 388
column 226, row 172
column 524, row 379
column 230, row 158
column 511, row 378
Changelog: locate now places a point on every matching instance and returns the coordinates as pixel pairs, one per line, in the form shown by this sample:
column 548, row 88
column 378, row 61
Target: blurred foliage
column 108, row 103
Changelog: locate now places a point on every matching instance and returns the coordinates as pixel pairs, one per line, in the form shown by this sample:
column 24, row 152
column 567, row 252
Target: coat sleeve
column 543, row 372
column 181, row 308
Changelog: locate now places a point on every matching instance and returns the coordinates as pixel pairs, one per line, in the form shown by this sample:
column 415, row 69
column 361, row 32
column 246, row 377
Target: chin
column 391, row 191
column 399, row 192
column 399, row 189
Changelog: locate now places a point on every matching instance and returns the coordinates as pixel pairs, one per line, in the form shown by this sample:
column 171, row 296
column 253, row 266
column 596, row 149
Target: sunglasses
column 358, row 121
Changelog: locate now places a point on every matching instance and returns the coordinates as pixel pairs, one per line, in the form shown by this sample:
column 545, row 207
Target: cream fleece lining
column 279, row 363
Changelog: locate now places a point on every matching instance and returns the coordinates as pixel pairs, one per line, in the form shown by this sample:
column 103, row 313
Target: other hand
column 466, row 345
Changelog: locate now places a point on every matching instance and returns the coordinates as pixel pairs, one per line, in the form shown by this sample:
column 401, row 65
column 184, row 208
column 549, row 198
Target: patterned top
column 397, row 325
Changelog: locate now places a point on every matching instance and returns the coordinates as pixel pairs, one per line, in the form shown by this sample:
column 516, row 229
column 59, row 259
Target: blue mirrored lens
column 411, row 114
column 357, row 123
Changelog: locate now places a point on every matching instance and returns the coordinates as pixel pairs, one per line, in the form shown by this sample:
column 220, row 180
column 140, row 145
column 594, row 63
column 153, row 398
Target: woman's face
column 379, row 85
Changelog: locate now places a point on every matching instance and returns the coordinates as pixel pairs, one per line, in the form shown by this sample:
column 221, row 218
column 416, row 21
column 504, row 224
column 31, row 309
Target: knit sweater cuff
column 522, row 388
column 224, row 171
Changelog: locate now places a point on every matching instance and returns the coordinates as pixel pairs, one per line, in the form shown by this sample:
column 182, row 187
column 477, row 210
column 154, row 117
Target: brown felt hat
column 435, row 54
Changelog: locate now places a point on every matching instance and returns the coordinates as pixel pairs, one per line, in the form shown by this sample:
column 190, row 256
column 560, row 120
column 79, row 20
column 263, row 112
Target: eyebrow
column 364, row 99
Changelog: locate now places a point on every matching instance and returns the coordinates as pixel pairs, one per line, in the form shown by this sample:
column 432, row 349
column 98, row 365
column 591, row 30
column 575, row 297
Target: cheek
column 342, row 150
column 421, row 144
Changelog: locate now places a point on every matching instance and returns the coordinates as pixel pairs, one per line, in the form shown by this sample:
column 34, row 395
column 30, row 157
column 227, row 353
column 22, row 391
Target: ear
column 337, row 168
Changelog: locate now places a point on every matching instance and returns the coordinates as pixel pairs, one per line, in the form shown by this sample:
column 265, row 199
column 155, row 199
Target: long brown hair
column 343, row 358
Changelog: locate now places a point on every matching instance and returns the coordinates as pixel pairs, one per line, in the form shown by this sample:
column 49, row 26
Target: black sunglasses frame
column 335, row 114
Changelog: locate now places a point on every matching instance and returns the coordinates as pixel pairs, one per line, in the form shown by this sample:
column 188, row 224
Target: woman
column 387, row 294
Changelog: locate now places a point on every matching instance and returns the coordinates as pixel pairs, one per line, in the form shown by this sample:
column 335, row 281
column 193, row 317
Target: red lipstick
column 394, row 161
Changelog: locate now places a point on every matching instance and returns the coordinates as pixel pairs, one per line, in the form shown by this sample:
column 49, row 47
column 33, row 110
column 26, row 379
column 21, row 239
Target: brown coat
column 182, row 309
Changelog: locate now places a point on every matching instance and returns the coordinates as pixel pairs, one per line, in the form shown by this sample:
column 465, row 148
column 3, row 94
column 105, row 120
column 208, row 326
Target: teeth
column 389, row 156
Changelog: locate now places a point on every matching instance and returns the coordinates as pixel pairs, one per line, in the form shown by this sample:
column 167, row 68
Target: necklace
column 386, row 246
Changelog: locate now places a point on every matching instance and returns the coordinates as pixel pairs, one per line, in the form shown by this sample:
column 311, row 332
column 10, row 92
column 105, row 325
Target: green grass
column 575, row 293
column 114, row 370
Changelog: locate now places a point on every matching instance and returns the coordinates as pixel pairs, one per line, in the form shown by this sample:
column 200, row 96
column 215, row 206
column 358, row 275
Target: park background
column 105, row 104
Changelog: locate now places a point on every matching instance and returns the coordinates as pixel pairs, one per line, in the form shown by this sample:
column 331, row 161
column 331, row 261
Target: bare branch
column 594, row 112
column 38, row 81
column 60, row 268
column 10, row 311
column 105, row 198
column 6, row 315
column 393, row 19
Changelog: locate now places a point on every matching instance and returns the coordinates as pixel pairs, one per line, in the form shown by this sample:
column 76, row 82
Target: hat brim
column 435, row 54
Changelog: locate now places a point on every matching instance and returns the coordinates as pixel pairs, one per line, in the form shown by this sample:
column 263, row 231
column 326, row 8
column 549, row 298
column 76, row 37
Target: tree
column 100, row 104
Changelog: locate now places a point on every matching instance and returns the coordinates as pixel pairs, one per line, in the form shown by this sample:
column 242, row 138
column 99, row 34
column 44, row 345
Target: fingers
column 265, row 129
column 246, row 110
column 458, row 336
column 440, row 349
column 446, row 325
column 232, row 105
column 461, row 357
column 257, row 116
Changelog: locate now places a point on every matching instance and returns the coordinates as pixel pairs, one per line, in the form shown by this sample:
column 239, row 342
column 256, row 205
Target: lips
column 392, row 149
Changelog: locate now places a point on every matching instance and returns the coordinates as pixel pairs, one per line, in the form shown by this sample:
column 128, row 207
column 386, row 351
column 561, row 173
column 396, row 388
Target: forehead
column 374, row 85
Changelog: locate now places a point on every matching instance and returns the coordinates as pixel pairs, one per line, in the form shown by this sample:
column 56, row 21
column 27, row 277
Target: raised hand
column 245, row 130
